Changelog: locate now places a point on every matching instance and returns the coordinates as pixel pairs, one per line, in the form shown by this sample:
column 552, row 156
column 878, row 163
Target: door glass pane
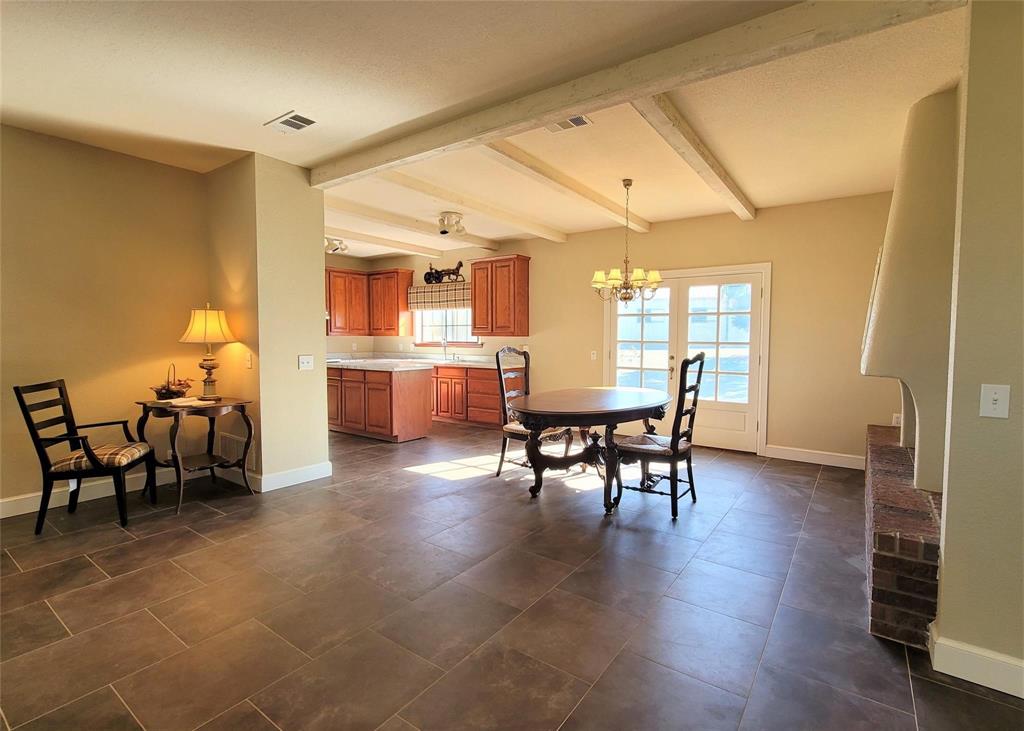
column 655, row 356
column 704, row 298
column 735, row 358
column 656, row 379
column 732, row 388
column 709, row 350
column 628, row 355
column 735, row 329
column 633, row 307
column 629, row 328
column 656, row 327
column 707, row 383
column 735, row 298
column 658, row 303
column 627, row 378
column 703, row 327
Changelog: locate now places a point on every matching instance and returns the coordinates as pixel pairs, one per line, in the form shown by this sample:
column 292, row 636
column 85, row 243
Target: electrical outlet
column 995, row 401
column 248, row 359
column 305, row 362
column 897, row 419
column 354, row 346
column 593, row 355
column 401, row 347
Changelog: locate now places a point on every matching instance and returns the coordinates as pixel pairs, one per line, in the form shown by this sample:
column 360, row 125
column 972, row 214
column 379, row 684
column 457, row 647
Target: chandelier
column 625, row 285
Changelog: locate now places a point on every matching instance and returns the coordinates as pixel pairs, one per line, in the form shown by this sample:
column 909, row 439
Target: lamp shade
column 207, row 326
column 599, row 281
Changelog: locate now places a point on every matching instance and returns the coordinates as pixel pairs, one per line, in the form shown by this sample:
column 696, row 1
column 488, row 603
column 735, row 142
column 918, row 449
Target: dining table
column 589, row 409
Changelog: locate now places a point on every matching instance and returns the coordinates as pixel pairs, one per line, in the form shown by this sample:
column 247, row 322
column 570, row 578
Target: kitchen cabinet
column 390, row 405
column 368, row 303
column 347, row 302
column 500, row 289
column 467, row 394
column 389, row 302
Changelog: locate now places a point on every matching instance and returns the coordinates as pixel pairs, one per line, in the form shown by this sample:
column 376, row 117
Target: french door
column 719, row 314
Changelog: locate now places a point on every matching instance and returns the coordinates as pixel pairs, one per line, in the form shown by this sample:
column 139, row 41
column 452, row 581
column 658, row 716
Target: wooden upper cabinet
column 346, row 302
column 501, row 296
column 389, row 302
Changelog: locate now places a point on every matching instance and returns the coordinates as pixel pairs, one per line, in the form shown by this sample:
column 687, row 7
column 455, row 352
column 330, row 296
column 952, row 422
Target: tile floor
column 416, row 591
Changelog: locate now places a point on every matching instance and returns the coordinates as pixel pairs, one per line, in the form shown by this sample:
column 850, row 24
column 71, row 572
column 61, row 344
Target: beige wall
column 231, row 236
column 102, row 257
column 823, row 257
column 289, row 235
column 981, row 584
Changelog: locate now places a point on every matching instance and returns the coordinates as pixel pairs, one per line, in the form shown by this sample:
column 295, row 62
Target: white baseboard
column 277, row 480
column 92, row 489
column 978, row 665
column 832, row 459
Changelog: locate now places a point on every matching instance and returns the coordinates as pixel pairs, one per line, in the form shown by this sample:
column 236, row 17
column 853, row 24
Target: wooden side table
column 196, row 463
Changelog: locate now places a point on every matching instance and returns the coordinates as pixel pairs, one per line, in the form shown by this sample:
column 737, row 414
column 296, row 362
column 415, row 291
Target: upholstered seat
column 650, row 444
column 109, row 455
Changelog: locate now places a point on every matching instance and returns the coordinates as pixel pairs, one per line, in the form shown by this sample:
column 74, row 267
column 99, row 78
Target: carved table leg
column 245, row 449
column 536, row 459
column 176, row 458
column 140, row 427
column 611, row 467
column 209, row 443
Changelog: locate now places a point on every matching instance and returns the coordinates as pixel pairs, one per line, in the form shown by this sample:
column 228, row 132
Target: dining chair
column 651, row 447
column 84, row 459
column 518, row 376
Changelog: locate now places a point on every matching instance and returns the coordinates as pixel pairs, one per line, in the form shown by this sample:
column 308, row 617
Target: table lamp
column 208, row 326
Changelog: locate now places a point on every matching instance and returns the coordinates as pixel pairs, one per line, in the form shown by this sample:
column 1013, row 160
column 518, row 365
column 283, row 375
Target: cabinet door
column 503, row 298
column 358, row 305
column 481, row 302
column 377, row 304
column 333, row 401
column 433, row 396
column 444, row 397
column 378, row 408
column 337, row 303
column 458, row 398
column 353, row 405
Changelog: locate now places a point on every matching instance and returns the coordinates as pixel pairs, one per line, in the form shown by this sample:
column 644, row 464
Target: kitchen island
column 381, row 399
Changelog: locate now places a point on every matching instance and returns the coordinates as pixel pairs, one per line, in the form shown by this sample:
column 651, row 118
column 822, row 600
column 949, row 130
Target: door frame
column 762, row 268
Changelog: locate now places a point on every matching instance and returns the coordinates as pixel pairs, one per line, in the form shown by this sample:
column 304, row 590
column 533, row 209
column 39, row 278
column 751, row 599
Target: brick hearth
column 902, row 541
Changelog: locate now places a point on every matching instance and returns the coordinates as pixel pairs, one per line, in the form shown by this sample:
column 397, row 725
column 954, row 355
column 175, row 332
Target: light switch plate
column 305, row 362
column 995, row 401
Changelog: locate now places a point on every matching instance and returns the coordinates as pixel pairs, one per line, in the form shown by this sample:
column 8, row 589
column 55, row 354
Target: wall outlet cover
column 897, row 419
column 593, row 355
column 354, row 346
column 305, row 362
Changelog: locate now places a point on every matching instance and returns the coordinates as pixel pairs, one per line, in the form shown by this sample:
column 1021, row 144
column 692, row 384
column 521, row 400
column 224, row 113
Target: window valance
column 444, row 296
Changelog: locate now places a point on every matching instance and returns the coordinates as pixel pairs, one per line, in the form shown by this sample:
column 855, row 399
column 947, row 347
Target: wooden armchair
column 519, row 378
column 85, row 459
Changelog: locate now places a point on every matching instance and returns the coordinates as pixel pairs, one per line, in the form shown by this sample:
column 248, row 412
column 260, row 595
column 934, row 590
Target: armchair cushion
column 514, row 427
column 109, row 455
column 650, row 444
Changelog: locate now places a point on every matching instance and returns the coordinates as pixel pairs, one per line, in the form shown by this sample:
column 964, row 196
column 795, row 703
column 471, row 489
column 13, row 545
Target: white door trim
column 762, row 268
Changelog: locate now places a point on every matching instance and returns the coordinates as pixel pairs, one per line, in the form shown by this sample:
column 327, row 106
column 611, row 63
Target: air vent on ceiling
column 289, row 123
column 573, row 122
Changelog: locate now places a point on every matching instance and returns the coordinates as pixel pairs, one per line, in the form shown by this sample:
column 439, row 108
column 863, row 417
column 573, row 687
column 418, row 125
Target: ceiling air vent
column 289, row 123
column 573, row 122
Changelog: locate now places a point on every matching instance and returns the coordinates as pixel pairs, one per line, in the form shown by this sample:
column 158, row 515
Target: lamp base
column 209, row 365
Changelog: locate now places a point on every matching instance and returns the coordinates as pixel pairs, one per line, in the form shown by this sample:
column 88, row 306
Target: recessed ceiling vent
column 289, row 123
column 573, row 122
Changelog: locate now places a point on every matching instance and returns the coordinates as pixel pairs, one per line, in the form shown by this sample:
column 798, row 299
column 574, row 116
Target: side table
column 195, row 463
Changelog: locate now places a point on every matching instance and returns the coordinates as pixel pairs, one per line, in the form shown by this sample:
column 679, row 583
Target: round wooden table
column 586, row 408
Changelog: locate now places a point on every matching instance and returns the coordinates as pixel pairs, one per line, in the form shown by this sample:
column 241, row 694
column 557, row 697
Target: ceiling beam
column 468, row 203
column 387, row 218
column 344, row 234
column 786, row 32
column 667, row 121
column 536, row 169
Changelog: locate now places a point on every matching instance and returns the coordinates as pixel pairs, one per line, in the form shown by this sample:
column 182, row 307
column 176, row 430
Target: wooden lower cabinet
column 466, row 394
column 390, row 405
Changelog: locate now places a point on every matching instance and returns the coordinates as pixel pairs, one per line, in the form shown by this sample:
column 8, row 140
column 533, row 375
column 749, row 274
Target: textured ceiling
column 191, row 83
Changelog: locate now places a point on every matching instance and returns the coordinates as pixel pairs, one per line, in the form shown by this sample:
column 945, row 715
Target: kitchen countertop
column 402, row 364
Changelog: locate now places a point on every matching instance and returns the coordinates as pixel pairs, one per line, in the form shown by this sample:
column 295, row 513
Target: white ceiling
column 191, row 83
column 822, row 124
